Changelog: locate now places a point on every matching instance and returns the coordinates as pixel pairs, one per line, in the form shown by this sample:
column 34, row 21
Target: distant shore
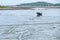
column 23, row 8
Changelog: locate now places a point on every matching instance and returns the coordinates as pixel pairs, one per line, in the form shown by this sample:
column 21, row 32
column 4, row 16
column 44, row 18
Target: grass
column 2, row 6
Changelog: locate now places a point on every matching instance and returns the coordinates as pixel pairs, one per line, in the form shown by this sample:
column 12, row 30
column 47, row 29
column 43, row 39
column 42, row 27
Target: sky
column 15, row 2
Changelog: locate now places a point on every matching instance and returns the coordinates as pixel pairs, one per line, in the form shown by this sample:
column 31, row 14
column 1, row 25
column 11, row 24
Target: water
column 18, row 16
column 25, row 25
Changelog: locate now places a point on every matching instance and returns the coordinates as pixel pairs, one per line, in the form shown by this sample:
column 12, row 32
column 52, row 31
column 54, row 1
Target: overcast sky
column 14, row 2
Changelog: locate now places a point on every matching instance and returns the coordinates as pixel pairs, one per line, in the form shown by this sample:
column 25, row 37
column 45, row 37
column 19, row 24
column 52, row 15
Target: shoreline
column 24, row 8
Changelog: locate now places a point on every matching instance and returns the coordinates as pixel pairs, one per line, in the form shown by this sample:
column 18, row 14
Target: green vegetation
column 58, row 4
column 2, row 6
column 39, row 4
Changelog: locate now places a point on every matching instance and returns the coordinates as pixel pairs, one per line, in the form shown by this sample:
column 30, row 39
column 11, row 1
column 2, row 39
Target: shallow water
column 20, row 16
column 25, row 25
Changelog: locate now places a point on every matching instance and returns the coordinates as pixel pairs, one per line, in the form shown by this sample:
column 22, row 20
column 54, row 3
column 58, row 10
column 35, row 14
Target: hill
column 39, row 4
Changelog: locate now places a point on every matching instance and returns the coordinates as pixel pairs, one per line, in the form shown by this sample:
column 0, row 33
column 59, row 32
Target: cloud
column 14, row 2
